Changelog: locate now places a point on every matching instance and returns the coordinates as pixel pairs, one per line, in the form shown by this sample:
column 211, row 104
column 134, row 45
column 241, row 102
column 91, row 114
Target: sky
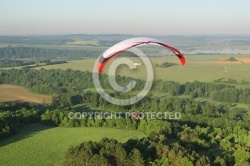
column 159, row 17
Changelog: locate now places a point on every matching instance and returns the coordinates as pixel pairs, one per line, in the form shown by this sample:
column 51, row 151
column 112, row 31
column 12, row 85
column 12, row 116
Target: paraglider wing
column 133, row 42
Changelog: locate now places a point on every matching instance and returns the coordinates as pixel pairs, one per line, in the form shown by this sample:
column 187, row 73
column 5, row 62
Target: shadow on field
column 25, row 132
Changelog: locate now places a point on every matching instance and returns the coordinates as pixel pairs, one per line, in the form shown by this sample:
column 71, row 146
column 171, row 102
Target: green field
column 37, row 144
column 199, row 67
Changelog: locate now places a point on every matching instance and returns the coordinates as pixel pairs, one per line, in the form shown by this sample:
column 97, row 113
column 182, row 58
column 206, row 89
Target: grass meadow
column 205, row 68
column 38, row 144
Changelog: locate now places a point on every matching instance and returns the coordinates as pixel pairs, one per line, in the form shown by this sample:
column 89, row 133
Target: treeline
column 14, row 63
column 110, row 152
column 232, row 81
column 25, row 64
column 14, row 116
column 152, row 150
column 55, row 62
column 203, row 113
column 165, row 64
column 46, row 53
column 68, row 81
column 45, row 63
column 59, row 117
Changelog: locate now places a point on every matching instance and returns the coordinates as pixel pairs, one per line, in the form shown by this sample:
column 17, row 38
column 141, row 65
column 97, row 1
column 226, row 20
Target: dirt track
column 17, row 93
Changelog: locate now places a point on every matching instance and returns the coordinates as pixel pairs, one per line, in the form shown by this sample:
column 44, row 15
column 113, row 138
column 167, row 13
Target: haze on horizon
column 162, row 17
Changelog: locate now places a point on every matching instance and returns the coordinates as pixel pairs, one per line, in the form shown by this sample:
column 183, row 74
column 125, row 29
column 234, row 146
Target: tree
column 121, row 158
column 98, row 160
column 135, row 158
